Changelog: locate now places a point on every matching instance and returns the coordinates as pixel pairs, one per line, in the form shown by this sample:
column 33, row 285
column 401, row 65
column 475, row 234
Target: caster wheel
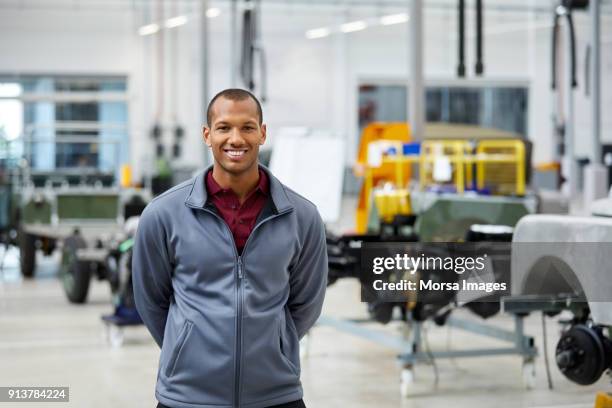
column 407, row 382
column 115, row 336
column 529, row 374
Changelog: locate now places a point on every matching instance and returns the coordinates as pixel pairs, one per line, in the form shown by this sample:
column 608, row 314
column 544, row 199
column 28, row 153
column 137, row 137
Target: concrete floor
column 45, row 341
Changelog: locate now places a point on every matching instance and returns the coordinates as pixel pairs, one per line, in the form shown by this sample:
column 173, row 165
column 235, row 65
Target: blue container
column 411, row 149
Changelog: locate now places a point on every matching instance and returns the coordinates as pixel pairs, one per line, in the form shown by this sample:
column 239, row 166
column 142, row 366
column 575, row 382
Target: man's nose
column 236, row 137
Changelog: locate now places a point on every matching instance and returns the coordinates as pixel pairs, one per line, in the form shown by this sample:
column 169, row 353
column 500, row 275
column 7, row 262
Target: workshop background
column 421, row 121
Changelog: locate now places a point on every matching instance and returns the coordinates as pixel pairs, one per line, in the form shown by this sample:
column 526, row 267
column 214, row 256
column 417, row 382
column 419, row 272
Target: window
column 76, row 154
column 68, row 123
column 500, row 106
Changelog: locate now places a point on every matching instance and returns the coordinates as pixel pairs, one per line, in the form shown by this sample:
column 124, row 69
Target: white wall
column 104, row 41
column 310, row 82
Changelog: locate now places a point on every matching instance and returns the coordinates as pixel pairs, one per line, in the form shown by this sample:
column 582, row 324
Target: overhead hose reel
column 565, row 9
column 252, row 45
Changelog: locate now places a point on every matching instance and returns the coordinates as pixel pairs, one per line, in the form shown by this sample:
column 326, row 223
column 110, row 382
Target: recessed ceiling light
column 353, row 26
column 176, row 21
column 317, row 33
column 394, row 19
column 148, row 29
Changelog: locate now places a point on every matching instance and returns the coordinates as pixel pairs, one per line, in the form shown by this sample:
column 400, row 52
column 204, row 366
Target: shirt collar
column 213, row 188
column 198, row 194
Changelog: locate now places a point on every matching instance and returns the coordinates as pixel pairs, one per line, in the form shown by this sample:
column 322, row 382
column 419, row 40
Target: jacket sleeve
column 152, row 274
column 309, row 279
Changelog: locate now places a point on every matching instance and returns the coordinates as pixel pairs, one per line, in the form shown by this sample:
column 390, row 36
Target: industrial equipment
column 470, row 190
column 79, row 210
column 566, row 271
column 375, row 137
column 494, row 172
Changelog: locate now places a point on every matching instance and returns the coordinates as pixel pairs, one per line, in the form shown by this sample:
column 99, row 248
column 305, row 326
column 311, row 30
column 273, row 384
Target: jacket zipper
column 237, row 365
column 239, row 293
column 240, row 301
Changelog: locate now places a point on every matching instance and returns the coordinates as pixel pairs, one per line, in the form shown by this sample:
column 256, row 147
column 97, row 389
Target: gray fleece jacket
column 228, row 325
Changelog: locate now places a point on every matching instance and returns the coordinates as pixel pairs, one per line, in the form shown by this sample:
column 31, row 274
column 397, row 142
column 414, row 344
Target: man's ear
column 206, row 135
column 263, row 134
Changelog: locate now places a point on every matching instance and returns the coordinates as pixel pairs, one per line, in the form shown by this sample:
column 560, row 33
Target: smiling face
column 234, row 135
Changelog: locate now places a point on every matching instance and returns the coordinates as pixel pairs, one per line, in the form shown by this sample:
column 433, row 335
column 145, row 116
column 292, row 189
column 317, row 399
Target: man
column 230, row 270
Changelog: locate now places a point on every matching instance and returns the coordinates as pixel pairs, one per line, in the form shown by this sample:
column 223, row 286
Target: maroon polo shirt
column 240, row 218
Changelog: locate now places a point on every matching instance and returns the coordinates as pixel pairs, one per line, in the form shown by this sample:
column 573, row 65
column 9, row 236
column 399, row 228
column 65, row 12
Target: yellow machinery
column 391, row 201
column 497, row 166
column 500, row 166
column 443, row 161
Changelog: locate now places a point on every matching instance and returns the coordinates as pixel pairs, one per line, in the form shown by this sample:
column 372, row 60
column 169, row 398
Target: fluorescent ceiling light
column 353, row 26
column 213, row 12
column 317, row 33
column 148, row 29
column 394, row 19
column 176, row 21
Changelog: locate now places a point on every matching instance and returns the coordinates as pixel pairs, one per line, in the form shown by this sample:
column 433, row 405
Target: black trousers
column 294, row 404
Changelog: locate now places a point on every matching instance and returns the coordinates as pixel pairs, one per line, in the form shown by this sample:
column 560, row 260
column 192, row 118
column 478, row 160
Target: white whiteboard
column 313, row 166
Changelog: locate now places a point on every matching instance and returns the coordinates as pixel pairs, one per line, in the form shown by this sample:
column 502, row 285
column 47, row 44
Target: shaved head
column 233, row 94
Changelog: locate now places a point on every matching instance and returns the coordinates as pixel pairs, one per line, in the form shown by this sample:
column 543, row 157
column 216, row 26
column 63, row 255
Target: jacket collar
column 198, row 195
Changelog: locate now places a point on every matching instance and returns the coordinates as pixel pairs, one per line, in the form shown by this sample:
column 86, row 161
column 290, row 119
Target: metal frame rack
column 410, row 344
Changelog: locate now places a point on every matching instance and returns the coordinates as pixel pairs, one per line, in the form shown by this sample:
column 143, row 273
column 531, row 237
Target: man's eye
column 249, row 128
column 223, row 128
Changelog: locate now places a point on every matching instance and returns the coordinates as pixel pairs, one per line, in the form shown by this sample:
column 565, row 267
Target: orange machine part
column 394, row 131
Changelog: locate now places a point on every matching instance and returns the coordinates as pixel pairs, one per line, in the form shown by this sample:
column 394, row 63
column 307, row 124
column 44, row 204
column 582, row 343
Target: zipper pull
column 239, row 267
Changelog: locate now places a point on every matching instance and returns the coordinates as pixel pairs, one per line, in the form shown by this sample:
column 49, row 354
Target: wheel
column 582, row 354
column 75, row 274
column 407, row 382
column 27, row 254
column 529, row 374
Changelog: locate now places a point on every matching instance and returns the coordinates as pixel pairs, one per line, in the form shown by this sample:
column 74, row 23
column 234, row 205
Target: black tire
column 75, row 274
column 27, row 254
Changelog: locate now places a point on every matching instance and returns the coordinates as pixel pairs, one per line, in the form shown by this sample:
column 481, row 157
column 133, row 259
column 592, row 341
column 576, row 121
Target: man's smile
column 235, row 153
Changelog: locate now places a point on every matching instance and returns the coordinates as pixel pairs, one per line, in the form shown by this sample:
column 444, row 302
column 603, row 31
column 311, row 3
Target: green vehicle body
column 448, row 217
